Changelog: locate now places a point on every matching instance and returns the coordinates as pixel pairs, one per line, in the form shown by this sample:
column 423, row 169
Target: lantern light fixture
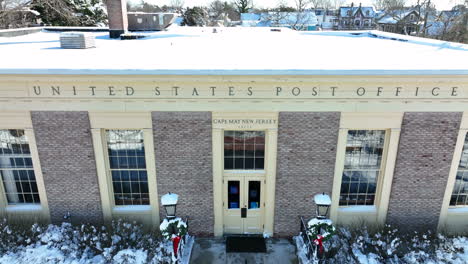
column 323, row 203
column 169, row 201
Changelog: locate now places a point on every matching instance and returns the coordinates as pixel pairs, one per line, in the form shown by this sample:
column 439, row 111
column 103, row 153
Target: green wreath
column 322, row 227
column 173, row 228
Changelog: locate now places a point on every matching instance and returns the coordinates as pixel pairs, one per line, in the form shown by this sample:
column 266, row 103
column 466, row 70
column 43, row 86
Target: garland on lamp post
column 320, row 230
column 173, row 229
column 175, row 226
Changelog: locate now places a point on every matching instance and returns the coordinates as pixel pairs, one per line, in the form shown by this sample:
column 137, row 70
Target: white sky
column 440, row 4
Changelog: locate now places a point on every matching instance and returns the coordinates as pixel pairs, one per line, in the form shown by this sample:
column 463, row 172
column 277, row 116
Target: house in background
column 143, row 21
column 304, row 21
column 17, row 18
column 403, row 21
column 441, row 23
column 327, row 19
column 352, row 18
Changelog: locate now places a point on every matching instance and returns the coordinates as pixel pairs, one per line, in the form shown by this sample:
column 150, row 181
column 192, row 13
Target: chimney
column 118, row 21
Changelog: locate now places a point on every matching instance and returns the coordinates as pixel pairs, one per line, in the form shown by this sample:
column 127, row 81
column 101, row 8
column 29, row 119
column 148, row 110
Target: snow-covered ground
column 128, row 243
column 389, row 246
column 67, row 244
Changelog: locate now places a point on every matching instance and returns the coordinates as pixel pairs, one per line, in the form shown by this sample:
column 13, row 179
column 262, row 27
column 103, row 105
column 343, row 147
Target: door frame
column 243, row 199
column 264, row 121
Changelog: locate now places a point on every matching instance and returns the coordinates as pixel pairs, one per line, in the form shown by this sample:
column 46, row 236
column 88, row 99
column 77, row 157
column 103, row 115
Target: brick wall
column 183, row 150
column 67, row 158
column 306, row 164
column 118, row 20
column 422, row 167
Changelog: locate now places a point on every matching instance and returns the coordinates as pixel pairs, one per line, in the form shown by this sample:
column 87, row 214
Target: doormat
column 255, row 244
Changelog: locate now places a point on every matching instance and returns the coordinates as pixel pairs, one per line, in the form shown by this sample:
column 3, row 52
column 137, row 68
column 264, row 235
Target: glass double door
column 244, row 206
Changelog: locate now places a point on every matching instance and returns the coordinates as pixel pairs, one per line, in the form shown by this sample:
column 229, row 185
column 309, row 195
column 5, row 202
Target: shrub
column 120, row 243
column 389, row 245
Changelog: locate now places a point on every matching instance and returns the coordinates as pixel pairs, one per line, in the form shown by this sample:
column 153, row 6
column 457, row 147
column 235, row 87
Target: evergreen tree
column 71, row 12
column 195, row 16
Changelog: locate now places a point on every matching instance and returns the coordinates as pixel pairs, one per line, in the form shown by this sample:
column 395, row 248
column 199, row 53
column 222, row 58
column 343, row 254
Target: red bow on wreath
column 319, row 241
column 175, row 245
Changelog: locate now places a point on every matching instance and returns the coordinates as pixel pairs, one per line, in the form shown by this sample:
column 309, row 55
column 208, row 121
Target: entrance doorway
column 244, row 172
column 244, row 205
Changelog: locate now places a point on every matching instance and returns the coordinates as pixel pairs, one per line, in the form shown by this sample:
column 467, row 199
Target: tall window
column 244, row 150
column 127, row 165
column 460, row 190
column 362, row 167
column 16, row 168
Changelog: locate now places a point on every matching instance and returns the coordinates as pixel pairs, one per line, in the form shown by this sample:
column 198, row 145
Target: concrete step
column 213, row 251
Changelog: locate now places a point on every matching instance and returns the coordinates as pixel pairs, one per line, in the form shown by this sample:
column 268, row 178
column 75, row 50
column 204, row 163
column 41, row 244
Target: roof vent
column 76, row 40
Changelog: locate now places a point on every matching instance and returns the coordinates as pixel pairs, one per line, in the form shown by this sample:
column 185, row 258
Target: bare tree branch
column 243, row 6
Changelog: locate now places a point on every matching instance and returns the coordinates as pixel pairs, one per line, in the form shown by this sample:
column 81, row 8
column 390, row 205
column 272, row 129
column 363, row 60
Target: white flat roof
column 237, row 51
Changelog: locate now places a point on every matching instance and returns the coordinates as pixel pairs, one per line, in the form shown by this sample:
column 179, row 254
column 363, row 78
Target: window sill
column 358, row 209
column 23, row 208
column 132, row 208
column 458, row 210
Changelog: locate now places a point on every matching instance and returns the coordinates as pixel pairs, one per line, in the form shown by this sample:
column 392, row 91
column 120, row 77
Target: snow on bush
column 390, row 245
column 120, row 243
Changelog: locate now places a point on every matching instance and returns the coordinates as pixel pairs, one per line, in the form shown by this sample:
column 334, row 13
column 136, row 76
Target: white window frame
column 102, row 121
column 380, row 170
column 377, row 213
column 457, row 170
column 262, row 171
column 453, row 219
column 22, row 120
column 110, row 170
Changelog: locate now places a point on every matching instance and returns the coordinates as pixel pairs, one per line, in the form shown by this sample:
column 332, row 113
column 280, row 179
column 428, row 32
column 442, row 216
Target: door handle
column 243, row 212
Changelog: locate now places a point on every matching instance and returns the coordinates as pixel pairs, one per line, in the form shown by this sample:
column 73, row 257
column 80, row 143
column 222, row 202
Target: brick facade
column 183, row 151
column 306, row 163
column 422, row 167
column 66, row 154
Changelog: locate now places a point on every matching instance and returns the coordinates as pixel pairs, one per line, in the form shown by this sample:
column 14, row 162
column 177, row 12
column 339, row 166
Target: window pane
column 228, row 163
column 460, row 189
column 363, row 159
column 128, row 166
column 233, row 195
column 16, row 168
column 254, row 194
column 246, row 149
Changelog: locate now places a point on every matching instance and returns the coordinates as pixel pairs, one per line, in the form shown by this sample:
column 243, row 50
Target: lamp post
column 169, row 201
column 323, row 203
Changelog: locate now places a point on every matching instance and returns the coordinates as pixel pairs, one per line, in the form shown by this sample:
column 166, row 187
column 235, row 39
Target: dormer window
column 349, row 12
column 412, row 17
column 367, row 13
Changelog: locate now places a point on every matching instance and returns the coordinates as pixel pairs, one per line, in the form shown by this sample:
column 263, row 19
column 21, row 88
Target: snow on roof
column 344, row 11
column 236, row 51
column 395, row 16
column 280, row 19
